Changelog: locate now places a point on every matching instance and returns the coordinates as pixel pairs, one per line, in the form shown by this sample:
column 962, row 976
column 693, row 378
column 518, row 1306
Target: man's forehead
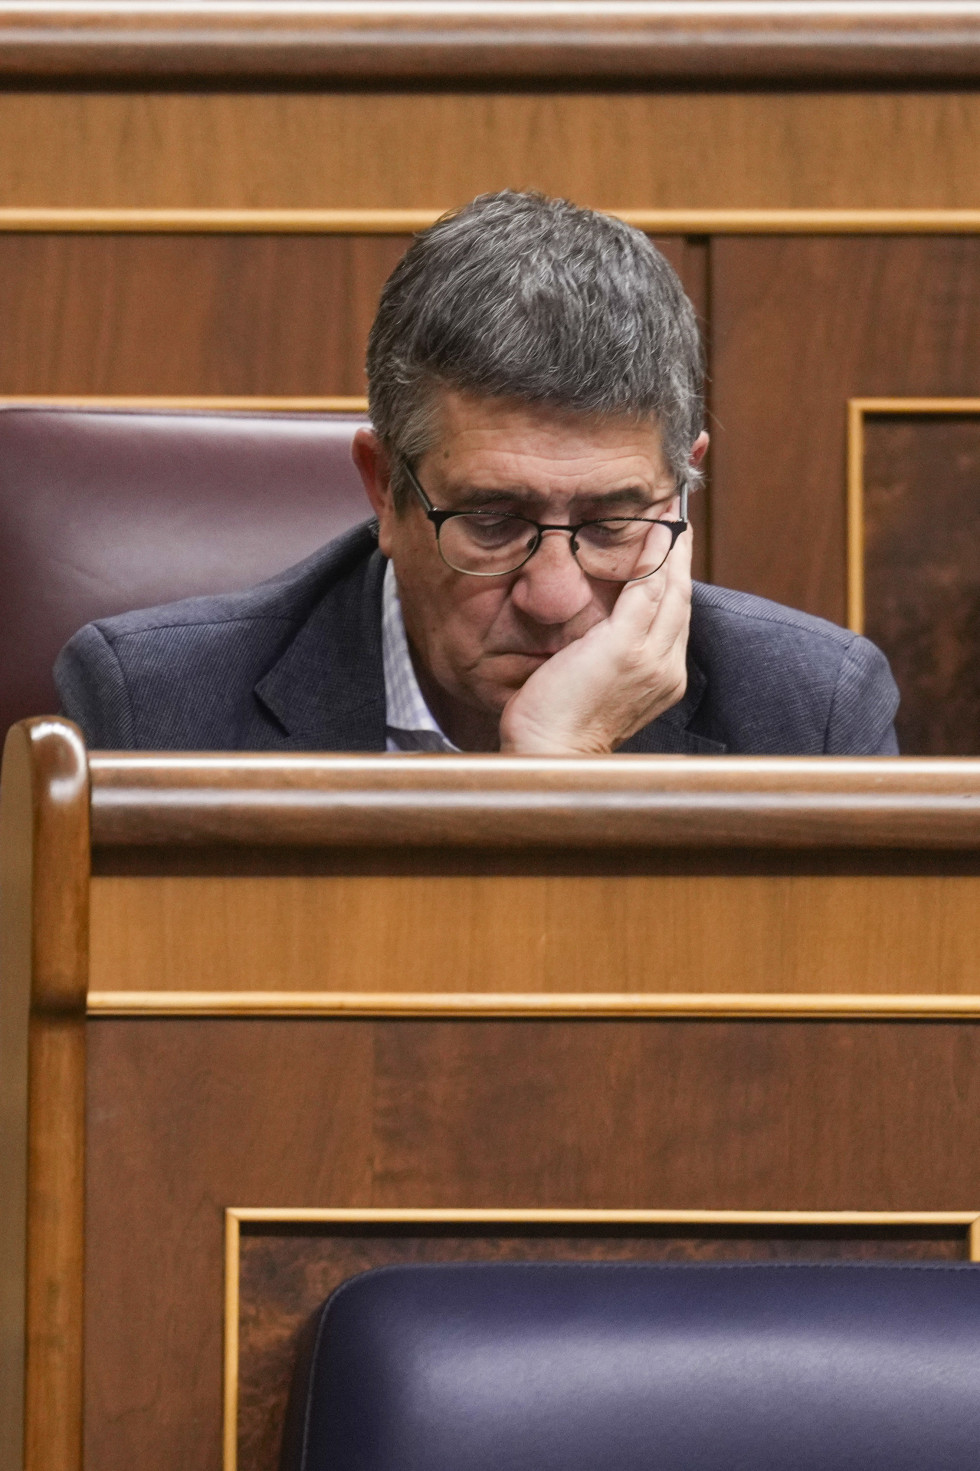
column 488, row 442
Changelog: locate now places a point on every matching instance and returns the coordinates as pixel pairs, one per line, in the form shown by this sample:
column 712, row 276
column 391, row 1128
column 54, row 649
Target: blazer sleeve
column 91, row 685
column 862, row 712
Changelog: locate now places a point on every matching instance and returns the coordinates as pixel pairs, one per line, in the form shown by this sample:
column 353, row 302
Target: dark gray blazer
column 295, row 664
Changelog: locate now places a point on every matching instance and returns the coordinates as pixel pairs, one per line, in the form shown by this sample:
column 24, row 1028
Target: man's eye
column 487, row 530
column 613, row 533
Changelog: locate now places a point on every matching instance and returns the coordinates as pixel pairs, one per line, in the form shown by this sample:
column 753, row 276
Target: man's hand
column 627, row 670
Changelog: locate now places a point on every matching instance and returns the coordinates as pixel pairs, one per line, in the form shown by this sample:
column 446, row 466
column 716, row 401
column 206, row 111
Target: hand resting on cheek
column 598, row 691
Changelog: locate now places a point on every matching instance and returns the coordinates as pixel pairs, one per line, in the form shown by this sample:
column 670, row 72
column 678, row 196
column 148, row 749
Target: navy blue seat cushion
column 642, row 1367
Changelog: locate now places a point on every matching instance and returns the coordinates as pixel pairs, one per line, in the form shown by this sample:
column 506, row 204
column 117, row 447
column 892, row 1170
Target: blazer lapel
column 669, row 733
column 327, row 690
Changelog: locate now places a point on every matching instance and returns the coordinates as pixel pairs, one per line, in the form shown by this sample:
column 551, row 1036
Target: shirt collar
column 410, row 724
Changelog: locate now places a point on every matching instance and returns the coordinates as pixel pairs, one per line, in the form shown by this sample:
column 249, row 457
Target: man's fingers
column 623, row 673
column 642, row 603
column 652, row 553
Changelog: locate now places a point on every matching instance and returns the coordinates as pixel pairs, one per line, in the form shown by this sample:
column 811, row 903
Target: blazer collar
column 327, row 690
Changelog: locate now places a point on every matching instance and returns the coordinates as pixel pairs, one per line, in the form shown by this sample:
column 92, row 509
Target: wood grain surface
column 188, row 1117
column 498, row 802
column 286, row 1273
column 799, row 326
column 568, row 925
column 178, row 315
column 436, row 148
column 922, row 572
column 45, row 851
column 438, row 41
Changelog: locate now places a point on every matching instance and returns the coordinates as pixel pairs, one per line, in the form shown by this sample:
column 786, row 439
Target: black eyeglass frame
column 439, row 519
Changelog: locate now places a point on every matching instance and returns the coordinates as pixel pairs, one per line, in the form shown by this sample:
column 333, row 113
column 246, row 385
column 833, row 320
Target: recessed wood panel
column 679, row 926
column 799, row 326
column 189, row 314
column 188, row 1117
column 436, row 149
column 286, row 1273
column 922, row 572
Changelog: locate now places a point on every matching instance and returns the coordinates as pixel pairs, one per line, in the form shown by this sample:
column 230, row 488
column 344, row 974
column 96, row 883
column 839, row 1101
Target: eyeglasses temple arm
column 413, row 482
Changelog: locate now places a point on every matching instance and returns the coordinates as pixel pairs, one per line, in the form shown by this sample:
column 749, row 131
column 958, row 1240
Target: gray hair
column 524, row 297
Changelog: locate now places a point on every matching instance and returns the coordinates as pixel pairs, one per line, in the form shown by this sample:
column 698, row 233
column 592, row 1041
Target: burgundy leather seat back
column 105, row 511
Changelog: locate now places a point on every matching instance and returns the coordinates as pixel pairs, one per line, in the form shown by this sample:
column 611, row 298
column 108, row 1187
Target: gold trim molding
column 857, row 411
column 237, row 1216
column 666, row 1004
column 408, row 221
column 211, row 403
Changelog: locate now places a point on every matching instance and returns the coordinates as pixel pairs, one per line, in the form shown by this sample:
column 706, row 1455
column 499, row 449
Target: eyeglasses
column 494, row 543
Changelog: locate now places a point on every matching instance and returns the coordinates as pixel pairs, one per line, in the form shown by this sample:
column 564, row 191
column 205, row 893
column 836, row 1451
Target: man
column 535, row 383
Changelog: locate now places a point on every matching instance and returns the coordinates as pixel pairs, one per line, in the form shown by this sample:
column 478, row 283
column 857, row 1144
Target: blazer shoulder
column 182, row 674
column 782, row 681
column 740, row 613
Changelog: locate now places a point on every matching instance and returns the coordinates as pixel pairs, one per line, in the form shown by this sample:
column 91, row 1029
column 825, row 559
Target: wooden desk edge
column 161, row 799
column 696, row 40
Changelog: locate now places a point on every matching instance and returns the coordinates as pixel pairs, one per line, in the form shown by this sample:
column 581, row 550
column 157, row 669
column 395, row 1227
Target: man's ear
column 699, row 449
column 373, row 466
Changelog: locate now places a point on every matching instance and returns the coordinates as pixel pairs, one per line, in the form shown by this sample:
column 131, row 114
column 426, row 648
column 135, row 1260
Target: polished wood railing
column 434, row 41
column 500, row 801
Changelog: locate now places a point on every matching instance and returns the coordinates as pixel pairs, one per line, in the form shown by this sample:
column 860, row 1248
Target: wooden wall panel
column 629, row 924
column 189, row 314
column 799, row 326
column 188, row 1117
column 309, row 149
column 287, row 1272
column 922, row 573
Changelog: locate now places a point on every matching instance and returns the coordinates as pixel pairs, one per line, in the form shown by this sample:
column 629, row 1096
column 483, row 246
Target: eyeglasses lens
column 485, row 544
column 612, row 551
column 617, row 551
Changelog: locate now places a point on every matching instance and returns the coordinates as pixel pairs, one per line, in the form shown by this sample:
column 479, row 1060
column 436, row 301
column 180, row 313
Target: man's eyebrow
column 635, row 497
column 474, row 495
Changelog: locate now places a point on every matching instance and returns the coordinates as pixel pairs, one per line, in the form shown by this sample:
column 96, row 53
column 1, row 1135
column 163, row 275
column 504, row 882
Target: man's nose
column 552, row 588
